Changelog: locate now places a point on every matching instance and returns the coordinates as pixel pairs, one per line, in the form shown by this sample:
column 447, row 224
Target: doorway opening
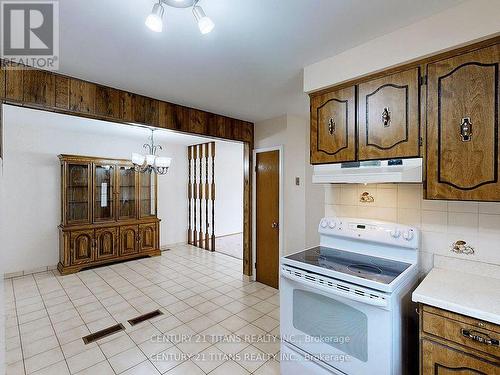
column 215, row 197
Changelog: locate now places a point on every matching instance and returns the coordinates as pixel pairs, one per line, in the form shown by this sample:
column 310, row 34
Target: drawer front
column 438, row 359
column 468, row 335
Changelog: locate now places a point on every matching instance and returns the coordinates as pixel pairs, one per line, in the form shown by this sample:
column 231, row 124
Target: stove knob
column 324, row 223
column 408, row 235
column 395, row 233
column 332, row 224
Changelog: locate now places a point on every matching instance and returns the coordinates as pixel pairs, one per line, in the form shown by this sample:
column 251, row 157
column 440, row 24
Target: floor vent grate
column 103, row 333
column 142, row 318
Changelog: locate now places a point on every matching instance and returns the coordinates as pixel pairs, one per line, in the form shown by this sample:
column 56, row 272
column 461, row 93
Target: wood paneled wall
column 39, row 89
column 201, row 195
column 54, row 92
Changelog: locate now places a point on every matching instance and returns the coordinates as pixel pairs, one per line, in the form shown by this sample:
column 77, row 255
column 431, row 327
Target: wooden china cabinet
column 108, row 212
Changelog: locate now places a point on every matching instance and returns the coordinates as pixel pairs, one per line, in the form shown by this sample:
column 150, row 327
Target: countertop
column 463, row 293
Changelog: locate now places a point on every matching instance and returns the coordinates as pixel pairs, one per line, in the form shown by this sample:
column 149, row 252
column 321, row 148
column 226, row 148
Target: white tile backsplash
column 441, row 222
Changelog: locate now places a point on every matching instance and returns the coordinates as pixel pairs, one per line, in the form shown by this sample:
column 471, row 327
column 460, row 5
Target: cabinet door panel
column 147, row 237
column 333, row 127
column 77, row 194
column 388, row 114
column 463, row 98
column 128, row 239
column 127, row 193
column 82, row 247
column 106, row 243
column 104, row 193
column 438, row 359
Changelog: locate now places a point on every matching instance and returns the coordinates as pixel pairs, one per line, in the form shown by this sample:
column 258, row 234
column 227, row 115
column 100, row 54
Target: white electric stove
column 346, row 305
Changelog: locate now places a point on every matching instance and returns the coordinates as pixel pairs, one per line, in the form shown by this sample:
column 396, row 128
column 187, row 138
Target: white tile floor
column 213, row 322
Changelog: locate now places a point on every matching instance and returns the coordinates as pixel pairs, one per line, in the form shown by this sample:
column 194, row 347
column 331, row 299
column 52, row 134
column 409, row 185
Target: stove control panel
column 370, row 230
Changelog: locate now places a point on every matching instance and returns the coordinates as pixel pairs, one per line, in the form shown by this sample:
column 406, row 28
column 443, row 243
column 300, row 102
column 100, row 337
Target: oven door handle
column 335, row 292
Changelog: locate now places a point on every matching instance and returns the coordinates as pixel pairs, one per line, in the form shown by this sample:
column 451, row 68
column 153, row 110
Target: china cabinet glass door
column 78, row 193
column 103, row 192
column 147, row 194
column 126, row 196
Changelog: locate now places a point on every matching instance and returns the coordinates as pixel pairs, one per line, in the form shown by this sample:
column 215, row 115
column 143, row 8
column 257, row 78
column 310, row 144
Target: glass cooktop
column 364, row 266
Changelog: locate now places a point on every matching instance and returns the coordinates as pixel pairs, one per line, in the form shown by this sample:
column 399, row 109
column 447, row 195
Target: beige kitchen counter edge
column 463, row 293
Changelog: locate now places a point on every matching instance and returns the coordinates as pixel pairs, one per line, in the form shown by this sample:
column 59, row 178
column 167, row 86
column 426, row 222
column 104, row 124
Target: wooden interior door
column 129, row 237
column 388, row 113
column 147, row 237
column 106, row 243
column 333, row 134
column 463, row 106
column 267, row 217
column 82, row 246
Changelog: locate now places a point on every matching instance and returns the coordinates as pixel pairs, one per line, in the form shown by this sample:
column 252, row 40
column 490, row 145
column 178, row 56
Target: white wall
column 302, row 205
column 229, row 188
column 441, row 222
column 469, row 21
column 31, row 180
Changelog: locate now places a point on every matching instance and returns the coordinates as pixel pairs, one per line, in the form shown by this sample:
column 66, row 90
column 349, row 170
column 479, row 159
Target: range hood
column 369, row 172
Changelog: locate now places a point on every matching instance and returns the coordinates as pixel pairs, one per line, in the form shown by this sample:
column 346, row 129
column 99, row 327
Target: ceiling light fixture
column 150, row 162
column 155, row 20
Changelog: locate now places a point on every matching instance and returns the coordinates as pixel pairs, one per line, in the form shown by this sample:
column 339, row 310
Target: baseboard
column 10, row 275
column 230, row 234
column 168, row 246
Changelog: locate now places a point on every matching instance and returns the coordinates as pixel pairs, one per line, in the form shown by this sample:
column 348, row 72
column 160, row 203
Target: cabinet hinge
column 255, row 168
column 423, row 80
column 420, row 141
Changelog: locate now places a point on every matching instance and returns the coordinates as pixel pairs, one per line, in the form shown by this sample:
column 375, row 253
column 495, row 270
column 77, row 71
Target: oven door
column 343, row 325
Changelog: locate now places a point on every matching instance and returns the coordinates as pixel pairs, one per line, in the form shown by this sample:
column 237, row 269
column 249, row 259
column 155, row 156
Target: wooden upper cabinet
column 333, row 136
column 388, row 115
column 463, row 127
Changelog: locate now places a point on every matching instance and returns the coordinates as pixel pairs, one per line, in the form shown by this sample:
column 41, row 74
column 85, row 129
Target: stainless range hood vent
column 370, row 172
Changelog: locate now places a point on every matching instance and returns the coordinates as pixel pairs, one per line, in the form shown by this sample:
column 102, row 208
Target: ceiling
column 249, row 67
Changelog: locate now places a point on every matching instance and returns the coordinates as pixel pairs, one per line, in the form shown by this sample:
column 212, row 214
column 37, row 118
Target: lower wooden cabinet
column 439, row 359
column 82, row 247
column 85, row 247
column 148, row 238
column 129, row 238
column 106, row 240
column 451, row 343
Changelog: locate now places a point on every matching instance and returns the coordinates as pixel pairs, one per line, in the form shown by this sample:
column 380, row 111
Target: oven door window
column 326, row 320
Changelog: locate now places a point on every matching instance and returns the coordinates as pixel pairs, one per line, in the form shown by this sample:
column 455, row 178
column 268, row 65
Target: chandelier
column 155, row 19
column 150, row 162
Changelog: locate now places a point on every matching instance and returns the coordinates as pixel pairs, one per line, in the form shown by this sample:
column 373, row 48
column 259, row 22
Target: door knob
column 274, row 225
